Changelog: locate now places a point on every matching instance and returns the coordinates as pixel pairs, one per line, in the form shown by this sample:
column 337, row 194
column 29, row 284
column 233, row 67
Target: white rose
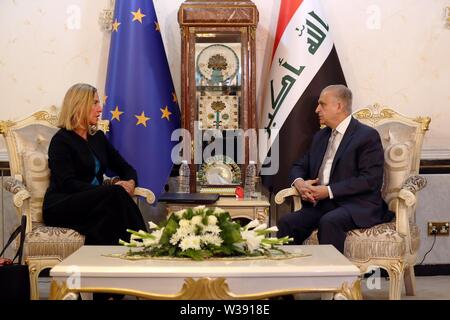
column 198, row 208
column 218, row 211
column 180, row 213
column 184, row 223
column 212, row 220
column 196, row 220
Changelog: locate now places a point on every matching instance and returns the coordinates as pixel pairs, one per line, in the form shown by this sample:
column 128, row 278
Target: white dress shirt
column 327, row 162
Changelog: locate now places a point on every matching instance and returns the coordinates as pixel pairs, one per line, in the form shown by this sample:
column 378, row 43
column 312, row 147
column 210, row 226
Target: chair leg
column 410, row 281
column 396, row 272
column 34, row 276
column 35, row 267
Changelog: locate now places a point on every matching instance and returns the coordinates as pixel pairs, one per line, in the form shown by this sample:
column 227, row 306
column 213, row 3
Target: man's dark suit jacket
column 356, row 174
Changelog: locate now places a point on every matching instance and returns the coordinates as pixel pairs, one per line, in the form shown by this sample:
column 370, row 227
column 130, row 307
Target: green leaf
column 172, row 251
column 227, row 250
column 189, row 214
column 170, row 229
column 142, row 235
column 163, row 223
column 224, row 217
column 197, row 255
column 230, row 233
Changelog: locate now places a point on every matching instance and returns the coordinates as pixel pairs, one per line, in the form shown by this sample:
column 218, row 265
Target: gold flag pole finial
column 106, row 17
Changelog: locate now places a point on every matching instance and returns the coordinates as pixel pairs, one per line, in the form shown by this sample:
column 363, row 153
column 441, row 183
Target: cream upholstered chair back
column 402, row 139
column 392, row 246
column 27, row 142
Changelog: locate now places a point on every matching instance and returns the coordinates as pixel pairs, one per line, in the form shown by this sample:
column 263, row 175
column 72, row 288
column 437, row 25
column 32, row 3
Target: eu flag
column 140, row 98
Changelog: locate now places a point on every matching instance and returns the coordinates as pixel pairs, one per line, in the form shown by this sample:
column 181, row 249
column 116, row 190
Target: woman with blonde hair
column 78, row 156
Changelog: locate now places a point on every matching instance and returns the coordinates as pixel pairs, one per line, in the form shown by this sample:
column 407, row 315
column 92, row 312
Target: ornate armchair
column 27, row 143
column 392, row 246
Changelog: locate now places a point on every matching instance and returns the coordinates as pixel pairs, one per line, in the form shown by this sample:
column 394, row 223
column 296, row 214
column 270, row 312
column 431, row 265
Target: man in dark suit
column 339, row 179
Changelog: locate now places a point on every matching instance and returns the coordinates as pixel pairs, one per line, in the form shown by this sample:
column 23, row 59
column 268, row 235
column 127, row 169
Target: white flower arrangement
column 201, row 233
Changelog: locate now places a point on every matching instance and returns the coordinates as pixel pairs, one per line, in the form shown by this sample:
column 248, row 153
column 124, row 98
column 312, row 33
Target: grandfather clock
column 218, row 90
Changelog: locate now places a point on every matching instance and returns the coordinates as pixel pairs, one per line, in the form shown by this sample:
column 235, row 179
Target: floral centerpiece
column 200, row 233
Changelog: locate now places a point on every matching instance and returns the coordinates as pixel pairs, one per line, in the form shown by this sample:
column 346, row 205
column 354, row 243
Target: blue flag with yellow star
column 140, row 99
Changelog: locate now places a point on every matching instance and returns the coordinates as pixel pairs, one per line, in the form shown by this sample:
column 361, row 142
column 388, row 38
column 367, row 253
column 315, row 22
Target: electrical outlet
column 438, row 228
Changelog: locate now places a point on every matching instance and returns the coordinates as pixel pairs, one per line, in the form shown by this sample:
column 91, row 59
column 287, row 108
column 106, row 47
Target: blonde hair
column 76, row 108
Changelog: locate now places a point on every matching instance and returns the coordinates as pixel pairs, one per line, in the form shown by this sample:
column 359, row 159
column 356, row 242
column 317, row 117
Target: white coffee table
column 325, row 270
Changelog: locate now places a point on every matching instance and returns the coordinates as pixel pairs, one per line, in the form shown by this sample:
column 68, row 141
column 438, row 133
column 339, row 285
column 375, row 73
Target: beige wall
column 43, row 51
column 434, row 205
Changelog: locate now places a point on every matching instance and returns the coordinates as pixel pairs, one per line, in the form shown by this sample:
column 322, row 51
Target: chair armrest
column 409, row 189
column 146, row 193
column 404, row 206
column 142, row 192
column 415, row 183
column 281, row 196
column 18, row 189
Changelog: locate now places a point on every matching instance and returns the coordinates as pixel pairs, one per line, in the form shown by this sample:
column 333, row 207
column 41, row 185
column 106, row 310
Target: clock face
column 219, row 170
column 220, row 173
column 217, row 63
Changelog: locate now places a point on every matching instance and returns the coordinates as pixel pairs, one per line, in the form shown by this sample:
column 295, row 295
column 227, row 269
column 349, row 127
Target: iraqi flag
column 304, row 62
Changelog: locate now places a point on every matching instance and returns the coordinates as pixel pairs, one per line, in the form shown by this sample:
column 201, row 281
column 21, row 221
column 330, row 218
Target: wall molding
column 423, row 270
column 435, row 154
column 4, row 155
column 427, row 154
column 432, row 270
column 435, row 161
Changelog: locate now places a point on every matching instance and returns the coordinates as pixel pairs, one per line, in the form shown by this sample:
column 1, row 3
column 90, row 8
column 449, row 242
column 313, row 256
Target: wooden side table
column 238, row 208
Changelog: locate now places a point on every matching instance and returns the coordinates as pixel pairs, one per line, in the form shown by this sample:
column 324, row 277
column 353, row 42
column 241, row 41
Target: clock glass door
column 218, row 92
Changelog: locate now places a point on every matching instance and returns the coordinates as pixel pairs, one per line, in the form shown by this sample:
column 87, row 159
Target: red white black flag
column 304, row 62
